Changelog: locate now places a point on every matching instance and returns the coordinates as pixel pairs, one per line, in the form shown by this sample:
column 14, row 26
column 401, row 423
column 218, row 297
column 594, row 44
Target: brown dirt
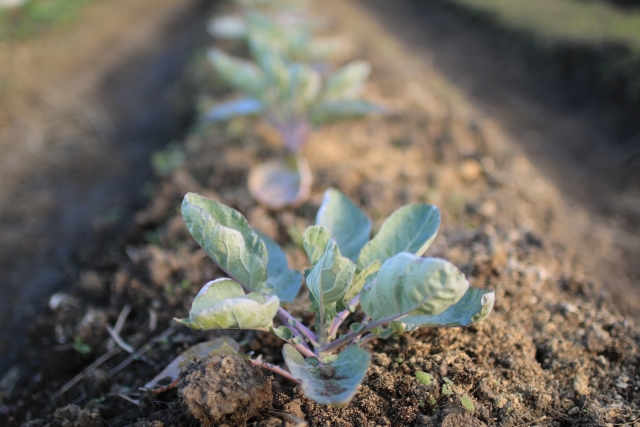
column 81, row 110
column 223, row 390
column 70, row 416
column 557, row 351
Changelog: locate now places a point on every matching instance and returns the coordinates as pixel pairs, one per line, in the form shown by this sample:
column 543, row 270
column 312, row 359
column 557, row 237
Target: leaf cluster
column 282, row 81
column 291, row 96
column 397, row 289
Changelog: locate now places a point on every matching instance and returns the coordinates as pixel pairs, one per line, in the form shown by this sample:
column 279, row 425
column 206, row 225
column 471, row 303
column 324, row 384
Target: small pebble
column 470, row 170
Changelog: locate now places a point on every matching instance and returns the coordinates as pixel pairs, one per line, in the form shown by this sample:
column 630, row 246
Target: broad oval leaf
column 222, row 304
column 410, row 229
column 330, row 384
column 330, row 279
column 474, row 306
column 285, row 283
column 408, row 284
column 315, row 239
column 237, row 107
column 281, row 183
column 328, row 111
column 226, row 237
column 347, row 223
column 241, row 74
column 348, row 81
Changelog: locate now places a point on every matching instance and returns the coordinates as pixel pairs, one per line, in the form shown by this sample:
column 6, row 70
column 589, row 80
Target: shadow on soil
column 99, row 188
column 588, row 146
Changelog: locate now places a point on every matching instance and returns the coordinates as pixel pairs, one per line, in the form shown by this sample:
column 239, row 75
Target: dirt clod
column 223, row 390
column 70, row 416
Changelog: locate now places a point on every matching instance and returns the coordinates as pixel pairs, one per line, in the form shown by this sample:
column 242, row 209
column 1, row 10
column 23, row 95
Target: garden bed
column 556, row 351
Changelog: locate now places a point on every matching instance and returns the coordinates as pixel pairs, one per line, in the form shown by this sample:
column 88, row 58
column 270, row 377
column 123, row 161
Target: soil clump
column 223, row 390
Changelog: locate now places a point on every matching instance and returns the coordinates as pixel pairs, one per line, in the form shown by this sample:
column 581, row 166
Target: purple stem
column 274, row 368
column 342, row 316
column 369, row 326
column 353, row 335
column 303, row 348
column 297, row 326
column 294, row 133
column 365, row 339
column 338, row 321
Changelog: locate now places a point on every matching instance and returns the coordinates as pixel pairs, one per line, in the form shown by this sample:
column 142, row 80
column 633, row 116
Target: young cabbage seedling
column 293, row 98
column 397, row 289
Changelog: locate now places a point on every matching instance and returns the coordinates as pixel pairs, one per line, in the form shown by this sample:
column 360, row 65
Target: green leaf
column 446, row 390
column 315, row 239
column 355, row 326
column 341, row 109
column 282, row 332
column 281, row 182
column 381, row 332
column 330, row 278
column 273, row 65
column 424, row 378
column 360, row 280
column 410, row 229
column 226, row 237
column 332, row 384
column 474, row 306
column 241, row 74
column 238, row 107
column 328, row 359
column 222, row 304
column 346, row 222
column 409, row 284
column 285, row 283
column 348, row 81
column 304, row 86
column 467, row 403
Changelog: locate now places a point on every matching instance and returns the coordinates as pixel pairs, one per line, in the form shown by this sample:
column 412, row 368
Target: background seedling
column 286, row 90
column 293, row 98
column 424, row 378
column 397, row 289
column 467, row 403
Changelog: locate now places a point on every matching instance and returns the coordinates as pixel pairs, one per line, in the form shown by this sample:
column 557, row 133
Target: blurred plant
column 398, row 289
column 21, row 19
column 81, row 347
column 168, row 159
column 289, row 34
column 293, row 98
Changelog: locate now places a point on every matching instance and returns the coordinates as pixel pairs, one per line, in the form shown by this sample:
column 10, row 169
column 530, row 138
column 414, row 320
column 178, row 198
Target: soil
column 560, row 348
column 80, row 112
column 223, row 390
